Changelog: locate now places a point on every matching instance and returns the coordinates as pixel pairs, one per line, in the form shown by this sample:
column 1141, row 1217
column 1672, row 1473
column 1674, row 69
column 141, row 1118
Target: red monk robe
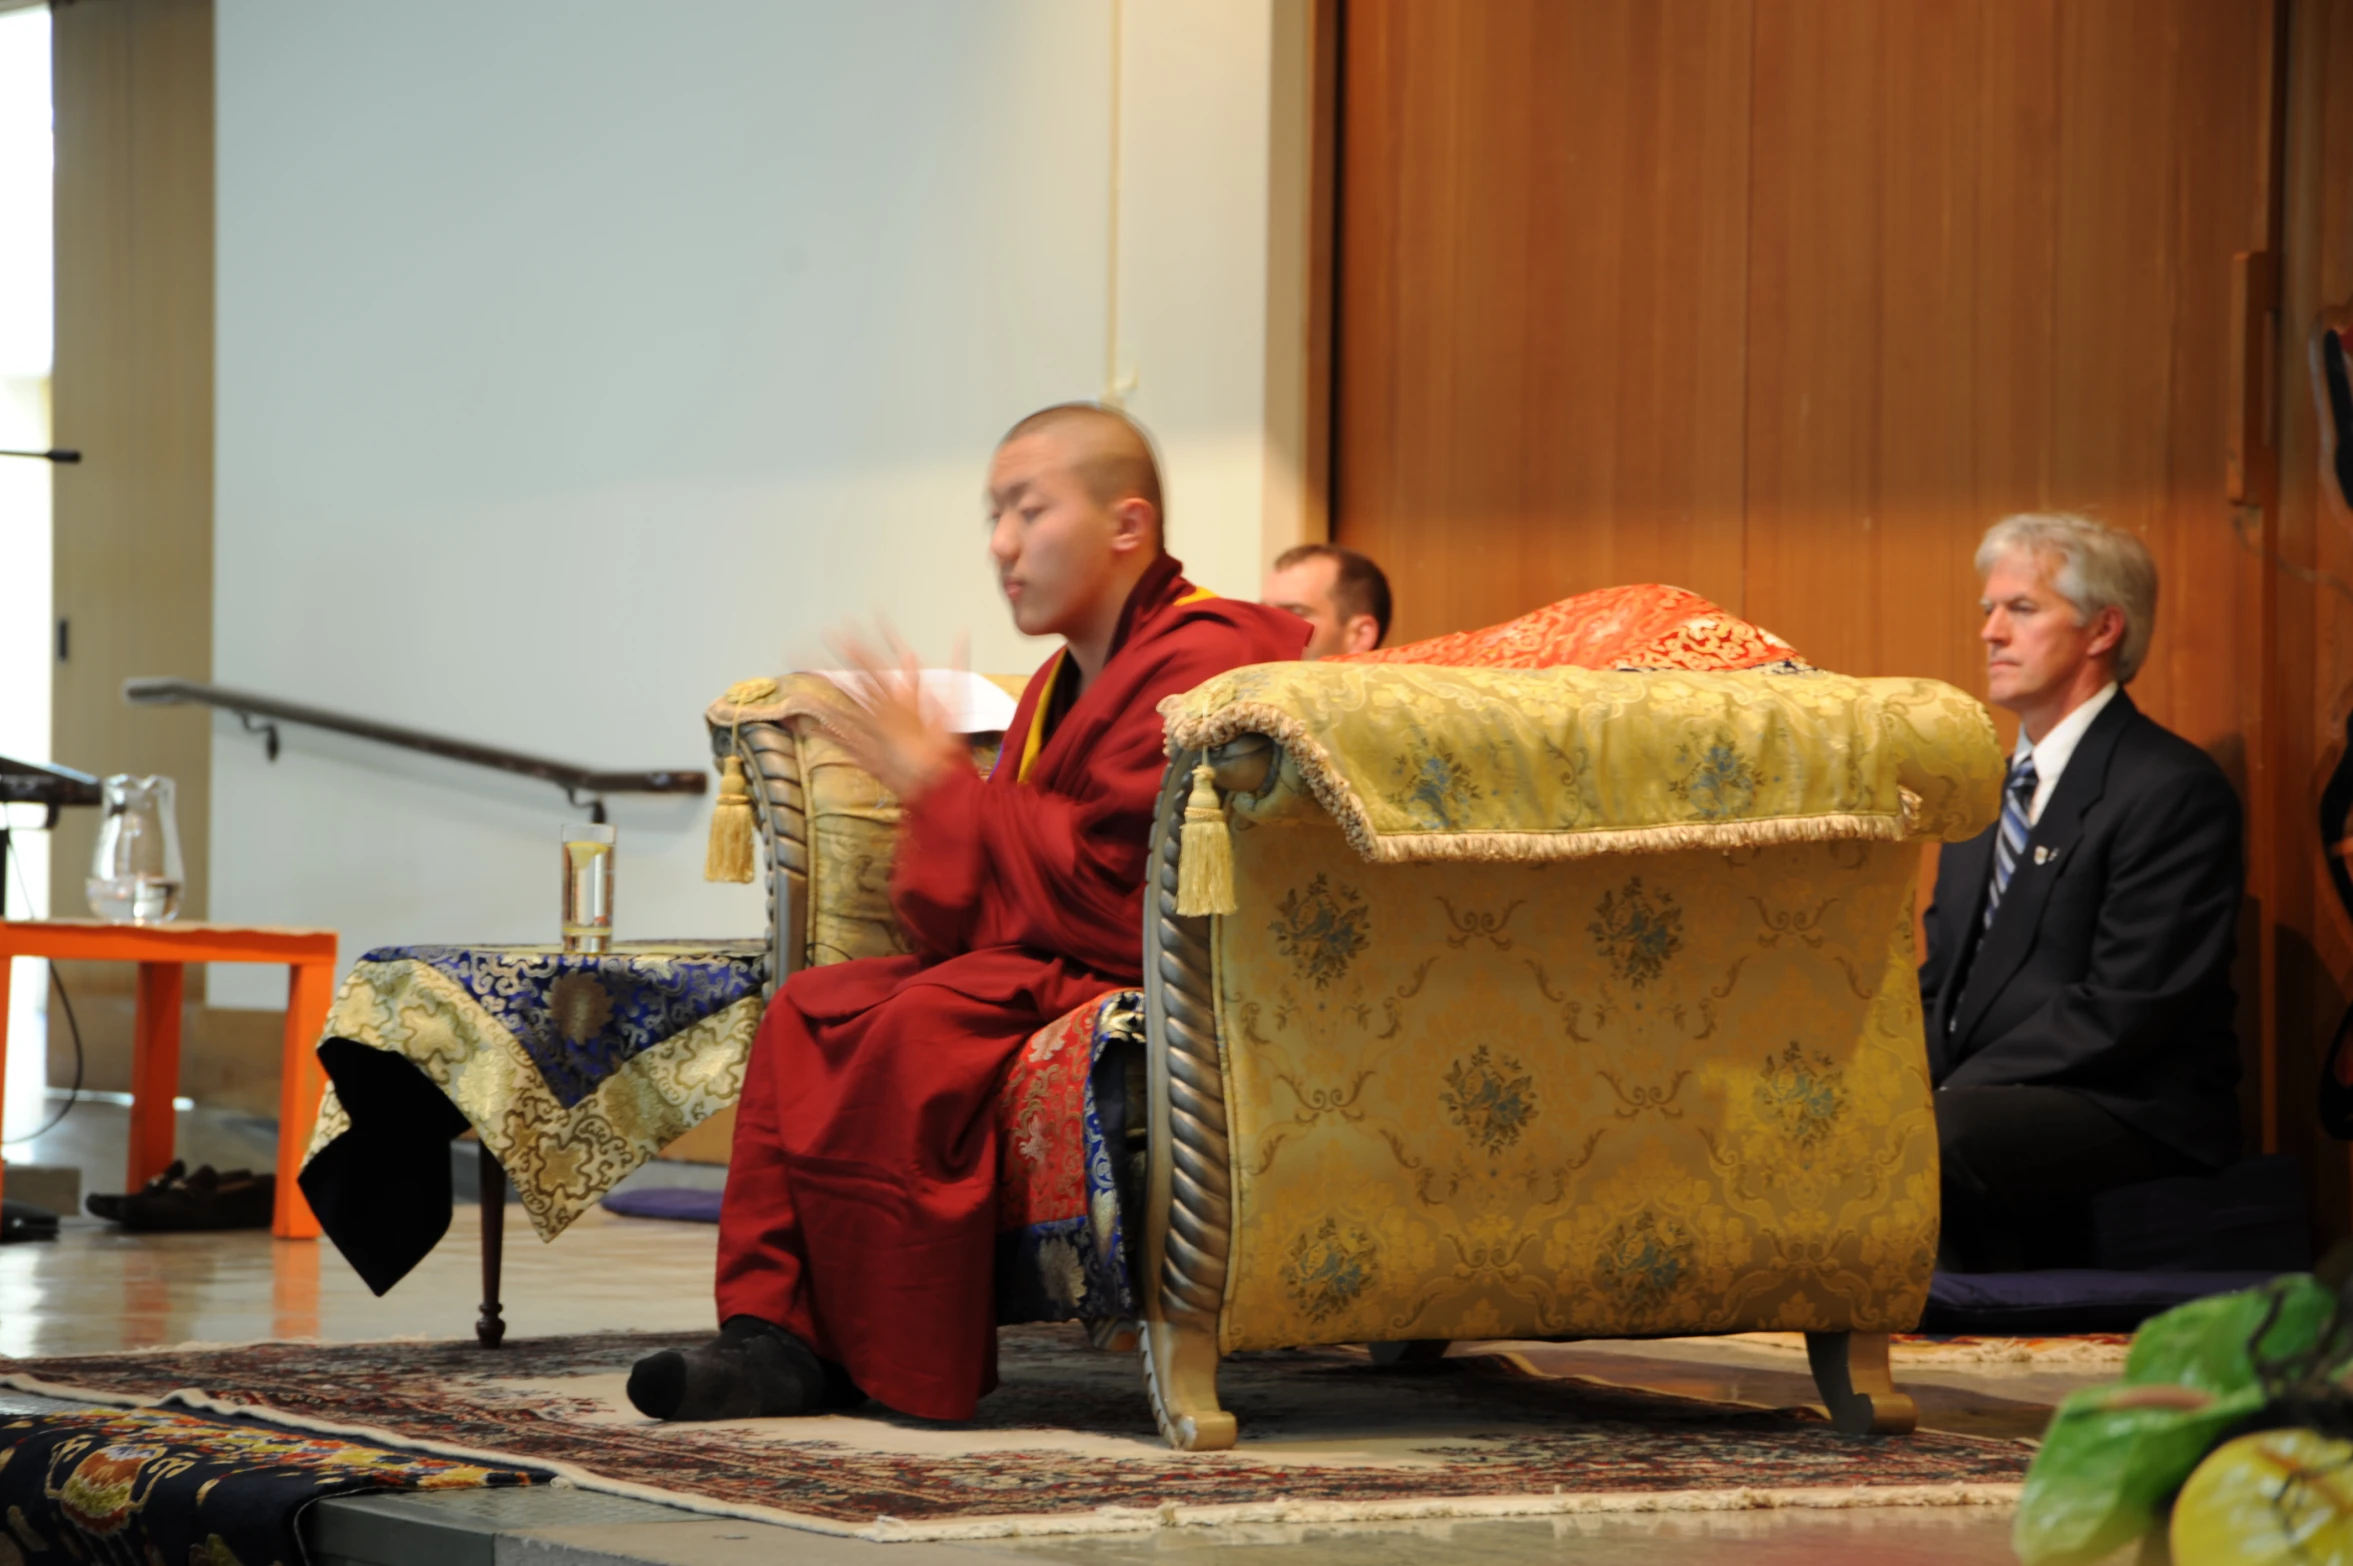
column 861, row 1196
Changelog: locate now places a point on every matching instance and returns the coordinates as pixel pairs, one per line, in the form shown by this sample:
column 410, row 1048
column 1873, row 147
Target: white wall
column 1192, row 267
column 25, row 312
column 578, row 357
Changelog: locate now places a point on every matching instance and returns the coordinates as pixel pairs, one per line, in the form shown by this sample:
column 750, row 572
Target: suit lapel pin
column 2042, row 854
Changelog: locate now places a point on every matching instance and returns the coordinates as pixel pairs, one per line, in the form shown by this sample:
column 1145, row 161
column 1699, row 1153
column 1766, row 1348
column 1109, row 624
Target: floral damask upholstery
column 1620, row 1097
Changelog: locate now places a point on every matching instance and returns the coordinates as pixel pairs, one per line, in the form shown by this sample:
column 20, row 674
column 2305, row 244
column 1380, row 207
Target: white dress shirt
column 2058, row 747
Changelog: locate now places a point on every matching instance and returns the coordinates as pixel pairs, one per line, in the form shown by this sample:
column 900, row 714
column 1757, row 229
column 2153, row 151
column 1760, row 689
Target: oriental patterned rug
column 1066, row 1445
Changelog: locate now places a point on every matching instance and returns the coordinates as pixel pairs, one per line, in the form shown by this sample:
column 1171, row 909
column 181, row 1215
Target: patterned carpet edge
column 2026, row 1354
column 1107, row 1519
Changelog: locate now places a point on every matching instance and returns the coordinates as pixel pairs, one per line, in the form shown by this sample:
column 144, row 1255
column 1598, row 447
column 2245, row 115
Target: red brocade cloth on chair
column 863, row 1191
column 1649, row 626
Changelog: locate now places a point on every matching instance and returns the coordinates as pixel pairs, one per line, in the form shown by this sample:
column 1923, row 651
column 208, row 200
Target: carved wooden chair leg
column 488, row 1328
column 1858, row 1388
column 1180, row 1370
column 1413, row 1351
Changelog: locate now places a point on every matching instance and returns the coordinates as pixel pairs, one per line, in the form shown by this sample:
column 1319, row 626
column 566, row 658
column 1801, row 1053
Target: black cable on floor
column 73, row 1095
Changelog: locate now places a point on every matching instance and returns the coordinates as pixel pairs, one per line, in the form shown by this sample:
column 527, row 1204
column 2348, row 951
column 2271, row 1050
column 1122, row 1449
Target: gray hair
column 2096, row 568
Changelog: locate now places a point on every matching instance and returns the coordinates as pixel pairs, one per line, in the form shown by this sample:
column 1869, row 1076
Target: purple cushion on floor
column 2066, row 1299
column 2247, row 1218
column 678, row 1205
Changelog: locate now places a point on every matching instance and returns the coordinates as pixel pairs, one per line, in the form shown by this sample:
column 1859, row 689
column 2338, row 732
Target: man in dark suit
column 2077, row 991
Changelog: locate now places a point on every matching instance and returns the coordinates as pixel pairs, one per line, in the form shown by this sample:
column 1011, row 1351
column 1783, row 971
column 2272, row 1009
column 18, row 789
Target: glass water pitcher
column 135, row 876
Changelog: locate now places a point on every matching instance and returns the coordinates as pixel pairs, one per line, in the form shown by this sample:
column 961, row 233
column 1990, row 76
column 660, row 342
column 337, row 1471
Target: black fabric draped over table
column 572, row 1068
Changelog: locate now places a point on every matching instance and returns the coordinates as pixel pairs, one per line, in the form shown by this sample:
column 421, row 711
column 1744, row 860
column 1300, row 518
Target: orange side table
column 163, row 952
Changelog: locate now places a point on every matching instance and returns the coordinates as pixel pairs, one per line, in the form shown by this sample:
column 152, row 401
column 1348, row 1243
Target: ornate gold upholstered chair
column 1523, row 1004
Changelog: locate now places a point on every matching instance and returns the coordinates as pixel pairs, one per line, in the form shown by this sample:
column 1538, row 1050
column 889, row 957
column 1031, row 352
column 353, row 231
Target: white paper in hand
column 971, row 704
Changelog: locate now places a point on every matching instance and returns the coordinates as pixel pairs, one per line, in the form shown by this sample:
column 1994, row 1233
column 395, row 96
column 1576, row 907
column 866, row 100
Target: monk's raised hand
column 892, row 730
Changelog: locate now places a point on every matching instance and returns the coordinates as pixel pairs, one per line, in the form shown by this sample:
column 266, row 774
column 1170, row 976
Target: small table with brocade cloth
column 572, row 1067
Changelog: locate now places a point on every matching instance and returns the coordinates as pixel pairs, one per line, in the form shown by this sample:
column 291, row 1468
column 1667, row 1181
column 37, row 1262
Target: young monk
column 858, row 1234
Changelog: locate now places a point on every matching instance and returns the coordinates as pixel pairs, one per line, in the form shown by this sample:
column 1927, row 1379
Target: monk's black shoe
column 753, row 1369
column 840, row 1390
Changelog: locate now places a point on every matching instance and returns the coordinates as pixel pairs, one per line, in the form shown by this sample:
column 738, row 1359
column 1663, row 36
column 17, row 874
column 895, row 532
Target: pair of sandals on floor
column 182, row 1201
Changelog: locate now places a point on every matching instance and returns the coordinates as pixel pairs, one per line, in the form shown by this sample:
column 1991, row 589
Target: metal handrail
column 262, row 715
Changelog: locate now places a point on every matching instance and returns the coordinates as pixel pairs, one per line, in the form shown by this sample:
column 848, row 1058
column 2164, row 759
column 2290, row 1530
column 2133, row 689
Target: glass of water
column 136, row 872
column 588, row 888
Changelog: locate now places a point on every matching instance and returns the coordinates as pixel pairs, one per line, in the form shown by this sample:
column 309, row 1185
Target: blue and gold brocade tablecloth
column 573, row 1068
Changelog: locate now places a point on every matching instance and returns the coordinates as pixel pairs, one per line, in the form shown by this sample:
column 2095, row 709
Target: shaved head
column 1074, row 522
column 1108, row 452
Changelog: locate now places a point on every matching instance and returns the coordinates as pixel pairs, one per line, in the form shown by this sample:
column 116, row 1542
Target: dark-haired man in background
column 1339, row 592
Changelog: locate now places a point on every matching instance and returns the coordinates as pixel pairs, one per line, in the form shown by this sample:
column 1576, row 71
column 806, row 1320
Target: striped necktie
column 2010, row 843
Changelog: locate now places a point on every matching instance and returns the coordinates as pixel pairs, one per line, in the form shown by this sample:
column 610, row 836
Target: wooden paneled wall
column 1990, row 271
column 1786, row 302
column 1542, row 298
column 2312, row 535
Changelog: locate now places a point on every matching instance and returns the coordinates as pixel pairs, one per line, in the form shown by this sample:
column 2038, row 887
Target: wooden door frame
column 1303, row 267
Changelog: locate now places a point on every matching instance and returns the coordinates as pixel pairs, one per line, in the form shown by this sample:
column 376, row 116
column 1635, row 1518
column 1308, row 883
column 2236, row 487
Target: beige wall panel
column 133, row 390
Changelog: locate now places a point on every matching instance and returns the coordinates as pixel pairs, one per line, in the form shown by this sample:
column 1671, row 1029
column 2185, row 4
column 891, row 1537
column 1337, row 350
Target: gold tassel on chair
column 729, row 856
column 1205, row 859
